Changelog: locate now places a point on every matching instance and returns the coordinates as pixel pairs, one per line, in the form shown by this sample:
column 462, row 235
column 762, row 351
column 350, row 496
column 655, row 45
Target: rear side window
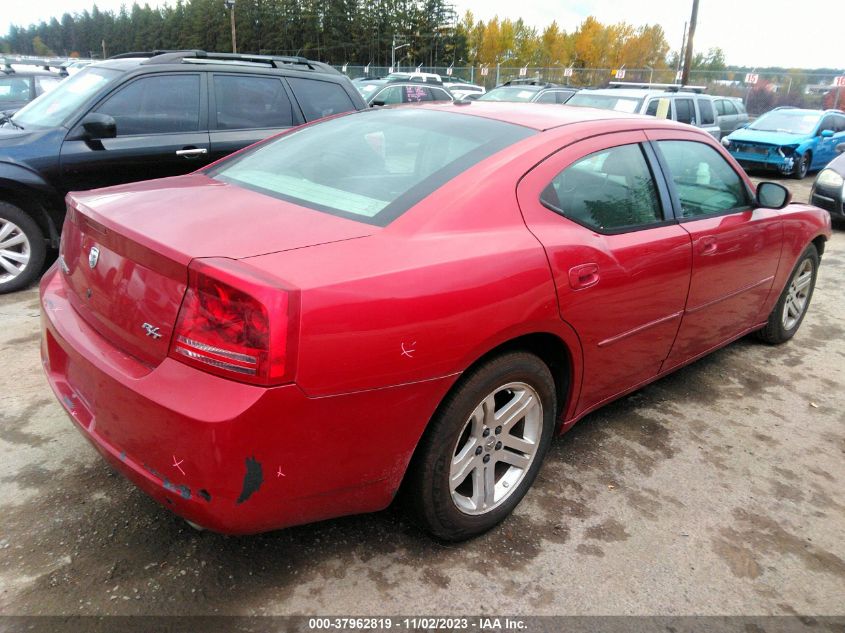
column 156, row 105
column 320, row 98
column 705, row 109
column 251, row 102
column 416, row 94
column 654, row 108
column 730, row 108
column 704, row 180
column 720, row 107
column 371, row 166
column 611, row 190
column 684, row 111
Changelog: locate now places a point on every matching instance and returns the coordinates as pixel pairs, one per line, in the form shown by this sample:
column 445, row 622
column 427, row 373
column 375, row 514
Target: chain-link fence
column 812, row 90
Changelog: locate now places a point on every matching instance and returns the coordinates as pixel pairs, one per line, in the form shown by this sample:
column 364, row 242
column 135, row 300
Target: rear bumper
column 232, row 457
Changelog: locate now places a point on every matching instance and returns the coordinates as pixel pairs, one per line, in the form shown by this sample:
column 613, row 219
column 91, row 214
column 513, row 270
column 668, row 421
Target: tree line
column 349, row 31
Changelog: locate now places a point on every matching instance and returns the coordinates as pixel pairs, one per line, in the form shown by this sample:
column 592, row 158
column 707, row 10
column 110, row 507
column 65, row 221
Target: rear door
column 735, row 246
column 318, row 99
column 620, row 262
column 162, row 130
column 244, row 109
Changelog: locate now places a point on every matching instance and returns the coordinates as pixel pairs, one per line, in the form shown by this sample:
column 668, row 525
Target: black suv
column 141, row 116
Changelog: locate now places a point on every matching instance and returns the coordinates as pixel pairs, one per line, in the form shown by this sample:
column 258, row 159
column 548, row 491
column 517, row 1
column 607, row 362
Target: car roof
column 537, row 116
column 640, row 93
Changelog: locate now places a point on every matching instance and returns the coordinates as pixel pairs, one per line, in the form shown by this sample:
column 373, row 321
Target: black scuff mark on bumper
column 253, row 478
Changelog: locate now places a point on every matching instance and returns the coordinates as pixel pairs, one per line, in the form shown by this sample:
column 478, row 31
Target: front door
column 161, row 131
column 735, row 247
column 620, row 262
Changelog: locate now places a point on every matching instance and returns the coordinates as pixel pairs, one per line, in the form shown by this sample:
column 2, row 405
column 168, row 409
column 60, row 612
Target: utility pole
column 681, row 52
column 688, row 54
column 230, row 4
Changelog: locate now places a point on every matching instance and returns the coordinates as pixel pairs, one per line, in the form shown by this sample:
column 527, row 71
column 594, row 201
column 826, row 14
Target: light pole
column 393, row 54
column 230, row 4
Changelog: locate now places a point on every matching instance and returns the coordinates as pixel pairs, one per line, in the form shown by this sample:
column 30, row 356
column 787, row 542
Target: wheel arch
column 548, row 347
column 34, row 203
column 819, row 242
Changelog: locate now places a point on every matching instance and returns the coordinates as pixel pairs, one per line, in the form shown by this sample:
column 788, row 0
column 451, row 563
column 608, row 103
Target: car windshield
column 789, row 121
column 52, row 108
column 510, row 93
column 368, row 90
column 606, row 102
column 371, row 166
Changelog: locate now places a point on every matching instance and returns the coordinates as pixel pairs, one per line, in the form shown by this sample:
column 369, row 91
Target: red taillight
column 235, row 324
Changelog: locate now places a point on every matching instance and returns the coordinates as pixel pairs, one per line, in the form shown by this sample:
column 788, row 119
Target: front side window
column 372, row 166
column 611, row 190
column 389, row 96
column 705, row 181
column 720, row 107
column 14, row 88
column 730, row 108
column 661, row 108
column 156, row 105
column 244, row 102
column 547, row 97
column 439, row 95
column 320, row 98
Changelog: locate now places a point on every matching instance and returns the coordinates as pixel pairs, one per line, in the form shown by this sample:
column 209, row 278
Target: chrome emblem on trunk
column 93, row 256
column 151, row 330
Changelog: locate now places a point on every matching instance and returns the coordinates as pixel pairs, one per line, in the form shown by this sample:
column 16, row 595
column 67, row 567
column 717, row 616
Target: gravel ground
column 717, row 490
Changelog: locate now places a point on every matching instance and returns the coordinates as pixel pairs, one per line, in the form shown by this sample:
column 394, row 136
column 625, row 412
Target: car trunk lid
column 125, row 250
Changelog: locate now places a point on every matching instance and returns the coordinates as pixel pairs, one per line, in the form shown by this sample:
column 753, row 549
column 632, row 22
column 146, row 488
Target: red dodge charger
column 420, row 296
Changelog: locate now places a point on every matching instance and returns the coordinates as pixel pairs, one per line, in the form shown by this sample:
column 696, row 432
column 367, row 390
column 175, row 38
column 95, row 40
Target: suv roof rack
column 529, row 82
column 42, row 62
column 196, row 56
column 664, row 87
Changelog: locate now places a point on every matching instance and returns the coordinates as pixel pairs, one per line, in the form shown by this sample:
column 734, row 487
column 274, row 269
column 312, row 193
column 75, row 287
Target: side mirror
column 378, row 104
column 840, row 149
column 772, row 195
column 826, row 133
column 98, row 126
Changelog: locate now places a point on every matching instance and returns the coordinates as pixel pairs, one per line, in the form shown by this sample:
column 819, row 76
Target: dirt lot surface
column 717, row 490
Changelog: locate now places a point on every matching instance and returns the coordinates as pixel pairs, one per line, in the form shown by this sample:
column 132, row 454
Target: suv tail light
column 236, row 324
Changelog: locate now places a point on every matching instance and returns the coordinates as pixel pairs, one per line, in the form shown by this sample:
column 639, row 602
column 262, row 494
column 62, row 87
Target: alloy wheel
column 15, row 251
column 798, row 294
column 496, row 448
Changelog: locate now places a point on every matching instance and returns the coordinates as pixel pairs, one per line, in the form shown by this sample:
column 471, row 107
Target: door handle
column 583, row 276
column 708, row 245
column 191, row 152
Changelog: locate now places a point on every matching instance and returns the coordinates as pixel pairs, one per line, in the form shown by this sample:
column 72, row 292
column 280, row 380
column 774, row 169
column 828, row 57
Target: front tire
column 484, row 447
column 802, row 167
column 22, row 249
column 789, row 311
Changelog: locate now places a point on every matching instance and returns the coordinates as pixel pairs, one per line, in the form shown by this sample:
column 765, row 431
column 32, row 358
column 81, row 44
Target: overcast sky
column 753, row 32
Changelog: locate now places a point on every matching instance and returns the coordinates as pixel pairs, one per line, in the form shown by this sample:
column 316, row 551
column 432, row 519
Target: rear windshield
column 371, row 166
column 511, row 93
column 606, row 102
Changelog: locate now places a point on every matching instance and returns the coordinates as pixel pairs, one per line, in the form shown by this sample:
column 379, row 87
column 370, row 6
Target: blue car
column 790, row 140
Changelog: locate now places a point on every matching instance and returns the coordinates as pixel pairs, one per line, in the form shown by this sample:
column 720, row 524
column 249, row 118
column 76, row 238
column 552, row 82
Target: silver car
column 686, row 104
column 731, row 113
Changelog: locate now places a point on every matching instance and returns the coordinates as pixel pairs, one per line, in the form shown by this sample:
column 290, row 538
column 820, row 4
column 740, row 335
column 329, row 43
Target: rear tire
column 484, row 447
column 22, row 249
column 789, row 311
